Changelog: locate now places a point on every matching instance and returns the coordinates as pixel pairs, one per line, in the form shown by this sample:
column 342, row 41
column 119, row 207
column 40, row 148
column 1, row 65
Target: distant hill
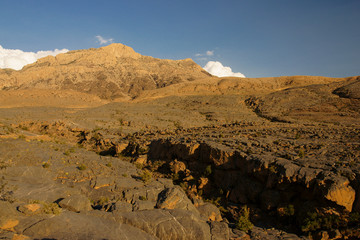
column 114, row 71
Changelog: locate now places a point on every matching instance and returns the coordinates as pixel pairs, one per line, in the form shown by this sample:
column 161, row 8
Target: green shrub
column 146, row 176
column 82, row 167
column 143, row 198
column 244, row 223
column 316, row 221
column 208, row 171
column 49, row 208
column 46, row 165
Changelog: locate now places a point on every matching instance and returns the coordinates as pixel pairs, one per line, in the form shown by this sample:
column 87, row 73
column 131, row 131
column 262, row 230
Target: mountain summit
column 114, row 71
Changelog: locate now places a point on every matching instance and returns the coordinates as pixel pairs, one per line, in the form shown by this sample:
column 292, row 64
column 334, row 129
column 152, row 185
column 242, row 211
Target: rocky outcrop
column 266, row 180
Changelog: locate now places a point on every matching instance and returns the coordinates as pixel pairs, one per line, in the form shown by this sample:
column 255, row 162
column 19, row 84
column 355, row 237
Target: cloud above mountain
column 103, row 41
column 208, row 53
column 217, row 69
column 17, row 59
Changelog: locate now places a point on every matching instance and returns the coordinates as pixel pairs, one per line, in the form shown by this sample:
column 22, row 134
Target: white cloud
column 17, row 59
column 103, row 41
column 217, row 69
column 210, row 53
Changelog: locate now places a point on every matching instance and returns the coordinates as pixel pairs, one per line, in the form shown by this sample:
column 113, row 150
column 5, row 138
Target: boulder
column 70, row 225
column 8, row 216
column 175, row 198
column 175, row 224
column 76, row 203
column 209, row 212
column 121, row 207
column 219, row 231
column 30, row 209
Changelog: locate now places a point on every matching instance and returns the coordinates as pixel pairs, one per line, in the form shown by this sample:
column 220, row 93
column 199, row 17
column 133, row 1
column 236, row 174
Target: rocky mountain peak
column 108, row 72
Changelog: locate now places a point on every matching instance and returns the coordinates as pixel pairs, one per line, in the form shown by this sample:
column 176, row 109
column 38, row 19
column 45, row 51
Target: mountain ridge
column 114, row 71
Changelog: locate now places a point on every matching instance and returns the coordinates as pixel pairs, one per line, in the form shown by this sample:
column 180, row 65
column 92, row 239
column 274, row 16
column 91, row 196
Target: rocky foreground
column 128, row 190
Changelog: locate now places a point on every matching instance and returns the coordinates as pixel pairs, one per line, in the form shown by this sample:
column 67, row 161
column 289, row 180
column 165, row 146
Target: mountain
column 114, row 71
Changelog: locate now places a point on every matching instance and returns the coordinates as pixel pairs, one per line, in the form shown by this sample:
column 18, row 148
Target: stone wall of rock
column 262, row 179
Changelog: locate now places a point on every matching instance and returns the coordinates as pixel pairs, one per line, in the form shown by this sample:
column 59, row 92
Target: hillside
column 114, row 71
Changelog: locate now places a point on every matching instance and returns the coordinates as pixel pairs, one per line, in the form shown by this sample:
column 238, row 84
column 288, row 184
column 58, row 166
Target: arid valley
column 107, row 143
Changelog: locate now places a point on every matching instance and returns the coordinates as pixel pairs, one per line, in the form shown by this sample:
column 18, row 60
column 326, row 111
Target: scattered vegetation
column 49, row 208
column 315, row 221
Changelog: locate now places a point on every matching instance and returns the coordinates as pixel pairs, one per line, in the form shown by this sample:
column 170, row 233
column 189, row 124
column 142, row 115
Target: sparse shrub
column 139, row 165
column 175, row 177
column 273, row 169
column 315, row 221
column 289, row 210
column 82, row 167
column 49, row 208
column 102, row 201
column 301, row 153
column 298, row 135
column 286, row 211
column 66, row 153
column 244, row 223
column 184, row 186
column 109, row 164
column 143, row 198
column 46, row 165
column 25, row 128
column 354, row 218
column 177, row 125
column 249, row 151
column 146, row 176
column 208, row 171
column 21, row 136
column 288, row 156
column 125, row 175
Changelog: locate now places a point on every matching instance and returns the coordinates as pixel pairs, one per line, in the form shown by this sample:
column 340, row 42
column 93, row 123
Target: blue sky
column 259, row 38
